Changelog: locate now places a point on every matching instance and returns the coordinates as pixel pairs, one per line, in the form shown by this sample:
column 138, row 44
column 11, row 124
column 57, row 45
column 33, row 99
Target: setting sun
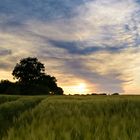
column 80, row 88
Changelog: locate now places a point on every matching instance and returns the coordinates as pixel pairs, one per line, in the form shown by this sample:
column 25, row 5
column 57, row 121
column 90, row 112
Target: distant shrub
column 115, row 94
column 5, row 86
column 94, row 94
column 103, row 94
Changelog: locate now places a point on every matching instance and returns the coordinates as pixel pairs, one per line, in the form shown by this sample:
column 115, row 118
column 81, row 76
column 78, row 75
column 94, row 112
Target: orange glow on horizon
column 6, row 75
column 80, row 88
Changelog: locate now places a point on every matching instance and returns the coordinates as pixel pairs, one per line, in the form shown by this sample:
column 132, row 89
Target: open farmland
column 70, row 118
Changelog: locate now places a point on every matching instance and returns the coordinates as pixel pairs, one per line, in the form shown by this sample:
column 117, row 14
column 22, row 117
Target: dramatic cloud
column 95, row 42
column 4, row 52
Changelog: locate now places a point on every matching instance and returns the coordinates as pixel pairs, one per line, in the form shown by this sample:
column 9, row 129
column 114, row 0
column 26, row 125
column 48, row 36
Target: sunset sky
column 88, row 45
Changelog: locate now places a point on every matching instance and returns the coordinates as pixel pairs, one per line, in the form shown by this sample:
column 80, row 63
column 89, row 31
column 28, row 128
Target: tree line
column 31, row 80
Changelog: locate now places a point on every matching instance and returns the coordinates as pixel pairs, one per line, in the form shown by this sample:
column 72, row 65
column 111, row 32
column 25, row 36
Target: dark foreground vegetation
column 31, row 80
column 70, row 117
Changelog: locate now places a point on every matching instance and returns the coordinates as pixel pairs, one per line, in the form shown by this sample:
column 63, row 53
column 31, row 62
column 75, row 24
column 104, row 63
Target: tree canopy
column 28, row 70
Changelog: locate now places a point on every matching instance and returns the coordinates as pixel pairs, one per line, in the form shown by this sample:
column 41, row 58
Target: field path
column 11, row 110
column 4, row 99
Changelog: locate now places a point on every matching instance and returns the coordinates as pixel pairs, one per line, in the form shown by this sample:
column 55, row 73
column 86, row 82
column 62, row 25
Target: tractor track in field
column 4, row 99
column 10, row 111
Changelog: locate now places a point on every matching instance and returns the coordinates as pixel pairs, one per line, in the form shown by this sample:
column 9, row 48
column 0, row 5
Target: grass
column 12, row 109
column 72, row 118
column 7, row 99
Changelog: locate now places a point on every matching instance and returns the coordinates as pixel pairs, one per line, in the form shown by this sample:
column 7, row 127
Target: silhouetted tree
column 28, row 70
column 58, row 91
column 48, row 80
column 33, row 80
column 5, row 85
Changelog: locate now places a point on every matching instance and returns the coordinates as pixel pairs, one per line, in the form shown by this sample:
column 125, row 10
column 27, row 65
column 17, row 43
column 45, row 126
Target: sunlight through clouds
column 94, row 42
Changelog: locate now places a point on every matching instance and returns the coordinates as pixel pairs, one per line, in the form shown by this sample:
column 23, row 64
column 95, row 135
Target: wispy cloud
column 91, row 41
